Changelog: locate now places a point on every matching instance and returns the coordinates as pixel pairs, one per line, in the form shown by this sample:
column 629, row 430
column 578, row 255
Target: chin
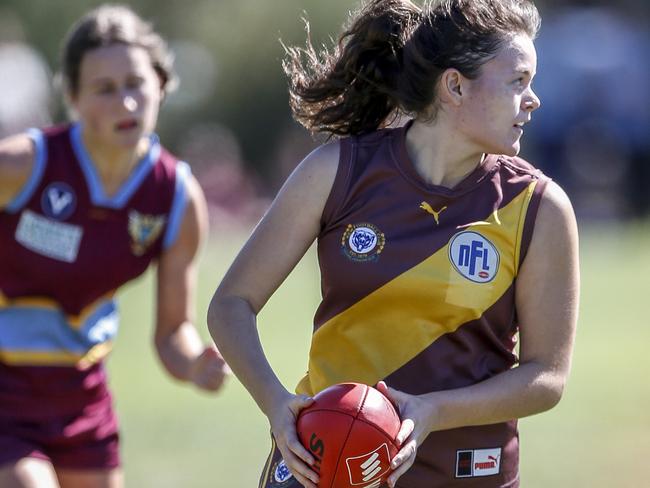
column 511, row 150
column 130, row 140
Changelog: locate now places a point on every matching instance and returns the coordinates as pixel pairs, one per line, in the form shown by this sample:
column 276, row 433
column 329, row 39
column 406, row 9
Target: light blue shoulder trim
column 130, row 186
column 40, row 159
column 179, row 203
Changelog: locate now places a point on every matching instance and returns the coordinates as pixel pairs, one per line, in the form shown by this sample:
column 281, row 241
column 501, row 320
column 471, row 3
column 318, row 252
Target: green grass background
column 598, row 436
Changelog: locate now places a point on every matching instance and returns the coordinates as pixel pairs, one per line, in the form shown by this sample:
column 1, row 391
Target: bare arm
column 16, row 163
column 546, row 294
column 177, row 341
column 276, row 245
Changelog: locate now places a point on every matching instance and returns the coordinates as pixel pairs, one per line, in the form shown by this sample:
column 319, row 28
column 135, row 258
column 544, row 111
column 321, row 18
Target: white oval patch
column 474, row 257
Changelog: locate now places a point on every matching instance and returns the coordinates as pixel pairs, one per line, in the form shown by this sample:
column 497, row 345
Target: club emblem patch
column 144, row 230
column 58, row 201
column 280, row 474
column 362, row 242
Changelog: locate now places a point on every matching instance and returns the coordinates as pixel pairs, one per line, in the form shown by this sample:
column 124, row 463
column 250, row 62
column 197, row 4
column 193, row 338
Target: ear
column 69, row 101
column 451, row 87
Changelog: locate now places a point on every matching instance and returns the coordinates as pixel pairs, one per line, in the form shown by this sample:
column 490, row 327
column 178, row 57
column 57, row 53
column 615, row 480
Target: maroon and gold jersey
column 418, row 290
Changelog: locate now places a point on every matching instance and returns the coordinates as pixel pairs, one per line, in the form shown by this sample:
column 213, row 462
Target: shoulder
column 315, row 174
column 17, row 151
column 17, row 155
column 322, row 162
column 555, row 206
column 555, row 222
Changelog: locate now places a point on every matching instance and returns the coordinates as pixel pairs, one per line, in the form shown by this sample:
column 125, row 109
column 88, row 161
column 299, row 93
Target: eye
column 105, row 89
column 134, row 82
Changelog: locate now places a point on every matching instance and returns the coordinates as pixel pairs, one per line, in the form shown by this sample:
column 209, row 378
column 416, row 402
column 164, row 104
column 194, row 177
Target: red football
column 350, row 429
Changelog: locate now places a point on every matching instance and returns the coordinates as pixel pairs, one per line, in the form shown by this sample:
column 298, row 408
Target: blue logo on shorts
column 282, row 472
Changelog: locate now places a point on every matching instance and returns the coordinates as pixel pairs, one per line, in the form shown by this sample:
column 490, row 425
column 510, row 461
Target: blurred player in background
column 84, row 208
column 437, row 244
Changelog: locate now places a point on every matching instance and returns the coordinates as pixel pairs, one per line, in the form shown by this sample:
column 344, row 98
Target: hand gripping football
column 350, row 429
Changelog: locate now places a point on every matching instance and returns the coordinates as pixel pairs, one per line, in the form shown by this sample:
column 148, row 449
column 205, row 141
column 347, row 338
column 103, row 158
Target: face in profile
column 501, row 100
column 118, row 95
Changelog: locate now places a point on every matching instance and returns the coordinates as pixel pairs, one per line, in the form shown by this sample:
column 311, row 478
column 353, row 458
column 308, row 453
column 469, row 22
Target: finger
column 298, row 468
column 306, row 482
column 299, row 450
column 404, row 431
column 208, row 354
column 402, row 462
column 213, row 381
column 212, row 376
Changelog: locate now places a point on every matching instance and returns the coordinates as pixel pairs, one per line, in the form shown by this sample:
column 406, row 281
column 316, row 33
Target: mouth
column 519, row 126
column 126, row 125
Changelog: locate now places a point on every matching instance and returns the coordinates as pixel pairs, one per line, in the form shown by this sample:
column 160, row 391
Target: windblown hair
column 390, row 58
column 115, row 24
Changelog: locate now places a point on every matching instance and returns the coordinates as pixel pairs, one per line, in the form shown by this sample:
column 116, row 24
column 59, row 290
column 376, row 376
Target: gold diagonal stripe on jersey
column 367, row 341
column 74, row 321
column 56, row 358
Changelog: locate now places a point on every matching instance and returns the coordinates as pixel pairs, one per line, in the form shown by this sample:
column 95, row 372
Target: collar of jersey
column 123, row 194
column 404, row 164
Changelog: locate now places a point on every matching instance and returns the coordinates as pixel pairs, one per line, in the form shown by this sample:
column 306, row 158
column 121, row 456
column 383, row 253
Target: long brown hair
column 390, row 58
column 110, row 24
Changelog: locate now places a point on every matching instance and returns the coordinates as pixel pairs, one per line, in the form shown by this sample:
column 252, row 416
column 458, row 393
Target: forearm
column 526, row 390
column 178, row 350
column 232, row 324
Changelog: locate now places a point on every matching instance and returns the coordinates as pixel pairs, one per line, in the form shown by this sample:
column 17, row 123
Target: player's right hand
column 283, row 418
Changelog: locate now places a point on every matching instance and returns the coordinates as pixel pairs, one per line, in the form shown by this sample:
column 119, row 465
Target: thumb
column 210, row 352
column 211, row 355
column 395, row 396
column 301, row 401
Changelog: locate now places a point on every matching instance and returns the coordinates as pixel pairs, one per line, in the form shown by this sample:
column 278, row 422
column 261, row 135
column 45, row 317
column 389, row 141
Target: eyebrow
column 524, row 71
column 99, row 81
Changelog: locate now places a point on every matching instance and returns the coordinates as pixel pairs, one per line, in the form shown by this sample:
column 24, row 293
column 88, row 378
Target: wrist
column 434, row 418
column 273, row 398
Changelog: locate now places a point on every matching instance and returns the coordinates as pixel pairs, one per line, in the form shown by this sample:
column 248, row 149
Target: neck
column 439, row 155
column 113, row 164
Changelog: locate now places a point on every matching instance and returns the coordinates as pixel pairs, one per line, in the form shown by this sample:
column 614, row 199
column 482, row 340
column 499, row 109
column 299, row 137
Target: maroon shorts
column 62, row 415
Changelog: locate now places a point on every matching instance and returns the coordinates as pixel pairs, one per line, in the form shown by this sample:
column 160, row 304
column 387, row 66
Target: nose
column 531, row 102
column 129, row 103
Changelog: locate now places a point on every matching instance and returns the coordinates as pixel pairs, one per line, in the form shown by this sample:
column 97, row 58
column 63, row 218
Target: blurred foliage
column 241, row 36
column 241, row 40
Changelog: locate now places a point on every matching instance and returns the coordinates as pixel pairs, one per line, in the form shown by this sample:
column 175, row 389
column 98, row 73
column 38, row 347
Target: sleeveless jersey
column 418, row 290
column 65, row 248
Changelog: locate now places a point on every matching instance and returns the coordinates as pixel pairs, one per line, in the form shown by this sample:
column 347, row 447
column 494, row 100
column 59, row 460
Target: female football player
column 438, row 246
column 84, row 208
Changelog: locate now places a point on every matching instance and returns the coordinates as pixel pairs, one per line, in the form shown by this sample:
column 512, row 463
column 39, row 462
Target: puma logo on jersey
column 436, row 214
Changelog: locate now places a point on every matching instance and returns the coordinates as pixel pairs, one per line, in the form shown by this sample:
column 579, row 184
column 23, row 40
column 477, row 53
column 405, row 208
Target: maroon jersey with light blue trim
column 64, row 247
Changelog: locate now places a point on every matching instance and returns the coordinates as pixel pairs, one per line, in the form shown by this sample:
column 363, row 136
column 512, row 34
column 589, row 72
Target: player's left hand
column 416, row 417
column 209, row 369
